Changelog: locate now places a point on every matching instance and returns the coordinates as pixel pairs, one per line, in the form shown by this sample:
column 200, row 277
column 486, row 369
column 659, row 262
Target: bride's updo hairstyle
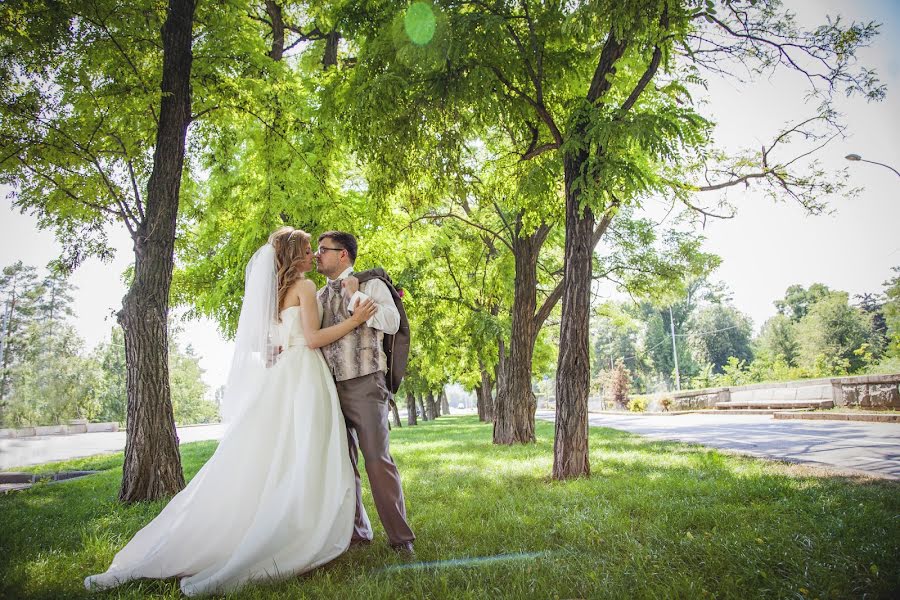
column 289, row 244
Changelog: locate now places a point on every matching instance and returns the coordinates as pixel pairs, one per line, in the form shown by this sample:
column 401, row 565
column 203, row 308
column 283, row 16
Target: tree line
column 816, row 332
column 48, row 377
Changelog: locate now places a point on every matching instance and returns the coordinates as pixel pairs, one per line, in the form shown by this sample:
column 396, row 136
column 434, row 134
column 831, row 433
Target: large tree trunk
column 429, row 407
column 445, row 404
column 411, row 409
column 499, row 377
column 422, row 409
column 484, row 400
column 570, row 446
column 152, row 466
column 479, row 403
column 516, row 404
column 487, row 397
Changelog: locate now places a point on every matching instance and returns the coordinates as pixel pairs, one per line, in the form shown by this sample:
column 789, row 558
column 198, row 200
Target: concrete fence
column 76, row 426
column 866, row 391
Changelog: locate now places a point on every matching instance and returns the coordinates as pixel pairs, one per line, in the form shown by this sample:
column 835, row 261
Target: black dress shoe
column 404, row 549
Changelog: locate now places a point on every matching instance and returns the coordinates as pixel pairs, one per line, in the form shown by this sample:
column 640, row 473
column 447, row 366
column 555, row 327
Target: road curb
column 871, row 418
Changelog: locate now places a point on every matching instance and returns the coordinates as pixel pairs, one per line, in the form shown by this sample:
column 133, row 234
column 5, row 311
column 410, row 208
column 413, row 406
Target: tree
column 112, row 394
column 778, row 338
column 48, row 380
column 189, row 403
column 89, row 142
column 892, row 313
column 831, row 335
column 798, row 300
column 152, row 466
column 56, row 296
column 55, row 382
column 618, row 384
column 20, row 291
column 619, row 103
column 719, row 332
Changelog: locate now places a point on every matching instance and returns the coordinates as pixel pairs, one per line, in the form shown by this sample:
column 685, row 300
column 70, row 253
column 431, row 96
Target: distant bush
column 638, row 404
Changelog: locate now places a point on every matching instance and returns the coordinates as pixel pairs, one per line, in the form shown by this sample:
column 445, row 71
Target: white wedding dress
column 276, row 498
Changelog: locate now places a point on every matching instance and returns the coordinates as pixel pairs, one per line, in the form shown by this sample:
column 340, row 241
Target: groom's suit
column 358, row 364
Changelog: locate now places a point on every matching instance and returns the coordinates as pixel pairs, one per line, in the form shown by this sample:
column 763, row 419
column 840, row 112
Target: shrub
column 638, row 404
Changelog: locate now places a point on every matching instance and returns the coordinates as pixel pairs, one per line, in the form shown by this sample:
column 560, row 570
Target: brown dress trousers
column 364, row 402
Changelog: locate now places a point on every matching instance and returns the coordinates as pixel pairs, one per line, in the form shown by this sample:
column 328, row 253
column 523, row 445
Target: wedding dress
column 276, row 498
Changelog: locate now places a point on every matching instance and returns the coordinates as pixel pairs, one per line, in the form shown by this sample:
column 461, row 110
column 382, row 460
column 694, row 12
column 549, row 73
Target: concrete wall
column 873, row 391
column 70, row 429
column 867, row 391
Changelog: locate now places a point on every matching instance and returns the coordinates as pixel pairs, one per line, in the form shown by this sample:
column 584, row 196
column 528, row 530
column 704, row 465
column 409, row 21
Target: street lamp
column 857, row 157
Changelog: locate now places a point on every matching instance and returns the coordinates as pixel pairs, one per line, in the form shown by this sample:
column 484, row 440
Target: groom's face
column 329, row 258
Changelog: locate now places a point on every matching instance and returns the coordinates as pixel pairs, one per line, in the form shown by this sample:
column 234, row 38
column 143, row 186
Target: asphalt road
column 844, row 445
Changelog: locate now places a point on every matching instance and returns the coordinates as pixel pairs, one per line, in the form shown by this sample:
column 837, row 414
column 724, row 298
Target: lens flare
column 419, row 23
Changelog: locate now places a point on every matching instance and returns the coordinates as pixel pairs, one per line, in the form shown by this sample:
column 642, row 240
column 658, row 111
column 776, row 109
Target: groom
column 358, row 364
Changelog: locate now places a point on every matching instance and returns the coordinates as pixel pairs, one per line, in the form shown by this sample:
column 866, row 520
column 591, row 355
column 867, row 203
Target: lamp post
column 858, row 158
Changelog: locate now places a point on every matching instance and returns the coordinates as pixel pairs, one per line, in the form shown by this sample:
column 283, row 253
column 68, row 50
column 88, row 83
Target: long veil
column 254, row 344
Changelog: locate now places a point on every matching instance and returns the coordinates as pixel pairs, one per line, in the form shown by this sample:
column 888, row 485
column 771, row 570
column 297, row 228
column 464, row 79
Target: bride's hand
column 364, row 311
column 350, row 285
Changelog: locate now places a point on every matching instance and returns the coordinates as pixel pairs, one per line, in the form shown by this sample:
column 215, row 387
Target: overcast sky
column 766, row 248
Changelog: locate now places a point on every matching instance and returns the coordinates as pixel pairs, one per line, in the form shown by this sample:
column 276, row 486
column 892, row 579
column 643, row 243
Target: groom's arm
column 387, row 318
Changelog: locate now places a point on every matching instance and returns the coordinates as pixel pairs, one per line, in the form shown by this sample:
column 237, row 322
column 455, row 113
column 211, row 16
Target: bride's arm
column 309, row 316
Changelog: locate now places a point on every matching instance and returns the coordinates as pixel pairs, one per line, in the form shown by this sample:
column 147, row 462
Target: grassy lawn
column 656, row 520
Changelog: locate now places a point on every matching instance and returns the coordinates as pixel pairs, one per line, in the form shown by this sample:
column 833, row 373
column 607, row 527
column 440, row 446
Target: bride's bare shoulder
column 305, row 287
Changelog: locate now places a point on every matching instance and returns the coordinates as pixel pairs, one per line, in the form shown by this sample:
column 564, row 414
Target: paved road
column 24, row 452
column 846, row 445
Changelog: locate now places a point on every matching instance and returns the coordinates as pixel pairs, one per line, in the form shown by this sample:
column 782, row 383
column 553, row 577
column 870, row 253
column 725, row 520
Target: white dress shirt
column 387, row 317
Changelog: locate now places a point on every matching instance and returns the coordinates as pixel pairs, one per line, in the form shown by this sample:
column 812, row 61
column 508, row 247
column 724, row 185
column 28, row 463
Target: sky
column 764, row 249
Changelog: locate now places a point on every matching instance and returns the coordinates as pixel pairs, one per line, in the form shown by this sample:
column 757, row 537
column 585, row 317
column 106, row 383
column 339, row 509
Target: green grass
column 656, row 520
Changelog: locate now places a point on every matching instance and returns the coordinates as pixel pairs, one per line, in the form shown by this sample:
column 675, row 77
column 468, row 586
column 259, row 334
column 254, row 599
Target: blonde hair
column 289, row 244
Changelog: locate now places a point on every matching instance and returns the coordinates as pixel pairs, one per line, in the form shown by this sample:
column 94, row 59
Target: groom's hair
column 344, row 239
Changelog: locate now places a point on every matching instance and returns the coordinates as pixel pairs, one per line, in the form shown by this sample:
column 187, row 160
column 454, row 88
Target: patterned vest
column 359, row 352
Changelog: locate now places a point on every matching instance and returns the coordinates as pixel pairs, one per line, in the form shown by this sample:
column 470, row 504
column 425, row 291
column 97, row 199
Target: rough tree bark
column 515, row 404
column 445, row 404
column 411, row 409
column 152, row 466
column 431, row 406
column 570, row 450
column 422, row 410
column 499, row 376
column 479, row 404
column 570, row 445
column 485, row 398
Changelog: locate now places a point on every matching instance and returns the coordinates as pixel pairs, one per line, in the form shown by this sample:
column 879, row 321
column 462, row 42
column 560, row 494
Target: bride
column 277, row 497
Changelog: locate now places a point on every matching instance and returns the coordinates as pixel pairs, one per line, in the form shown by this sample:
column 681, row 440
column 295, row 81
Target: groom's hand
column 350, row 286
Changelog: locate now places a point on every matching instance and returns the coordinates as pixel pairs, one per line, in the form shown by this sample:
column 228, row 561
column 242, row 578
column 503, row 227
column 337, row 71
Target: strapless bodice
column 290, row 329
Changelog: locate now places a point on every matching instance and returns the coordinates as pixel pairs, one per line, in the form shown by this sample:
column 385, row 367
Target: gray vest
column 359, row 352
